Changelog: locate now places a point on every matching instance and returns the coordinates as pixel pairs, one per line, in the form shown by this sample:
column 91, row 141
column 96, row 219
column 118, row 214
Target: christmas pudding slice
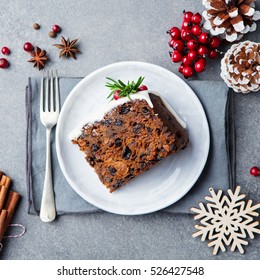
column 135, row 131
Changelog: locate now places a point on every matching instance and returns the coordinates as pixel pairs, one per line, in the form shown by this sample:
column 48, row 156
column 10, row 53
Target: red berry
column 192, row 55
column 204, row 37
column 196, row 30
column 171, row 42
column 4, row 63
column 212, row 53
column 181, row 68
column 255, row 171
column 56, row 28
column 142, row 87
column 28, row 47
column 200, row 65
column 176, row 56
column 116, row 94
column 202, row 50
column 5, row 50
column 197, row 18
column 187, row 72
column 186, row 61
column 214, row 42
column 187, row 16
column 192, row 44
column 178, row 45
column 186, row 25
column 186, row 34
column 175, row 32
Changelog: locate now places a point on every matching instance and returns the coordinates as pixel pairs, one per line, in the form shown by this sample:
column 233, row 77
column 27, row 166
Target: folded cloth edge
column 29, row 148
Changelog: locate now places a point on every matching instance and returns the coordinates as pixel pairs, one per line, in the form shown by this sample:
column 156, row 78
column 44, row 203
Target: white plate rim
column 62, row 112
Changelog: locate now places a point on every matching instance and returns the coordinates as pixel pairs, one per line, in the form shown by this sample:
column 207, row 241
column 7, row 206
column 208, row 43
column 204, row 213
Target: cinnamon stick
column 5, row 181
column 8, row 202
column 12, row 199
column 3, row 192
column 3, row 215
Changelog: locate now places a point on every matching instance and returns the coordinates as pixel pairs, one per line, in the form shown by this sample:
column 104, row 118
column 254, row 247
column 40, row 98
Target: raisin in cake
column 131, row 137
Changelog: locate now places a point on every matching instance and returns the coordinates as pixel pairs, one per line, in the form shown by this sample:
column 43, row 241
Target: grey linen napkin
column 218, row 173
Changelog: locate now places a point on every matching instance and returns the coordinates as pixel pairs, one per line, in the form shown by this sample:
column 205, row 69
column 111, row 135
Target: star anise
column 38, row 58
column 67, row 47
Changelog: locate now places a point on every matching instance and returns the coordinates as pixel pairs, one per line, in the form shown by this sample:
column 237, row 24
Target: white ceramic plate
column 163, row 184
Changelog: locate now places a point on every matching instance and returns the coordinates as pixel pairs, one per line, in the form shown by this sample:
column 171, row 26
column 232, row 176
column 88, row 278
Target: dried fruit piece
column 36, row 26
column 52, row 34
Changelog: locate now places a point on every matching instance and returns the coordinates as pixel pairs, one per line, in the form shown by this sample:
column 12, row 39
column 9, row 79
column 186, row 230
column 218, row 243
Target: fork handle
column 48, row 211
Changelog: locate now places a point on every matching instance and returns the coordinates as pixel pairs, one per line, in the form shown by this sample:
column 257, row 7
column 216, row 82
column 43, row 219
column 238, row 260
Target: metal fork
column 49, row 113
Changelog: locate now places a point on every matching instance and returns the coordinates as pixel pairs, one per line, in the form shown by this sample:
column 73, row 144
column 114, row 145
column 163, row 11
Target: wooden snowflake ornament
column 226, row 220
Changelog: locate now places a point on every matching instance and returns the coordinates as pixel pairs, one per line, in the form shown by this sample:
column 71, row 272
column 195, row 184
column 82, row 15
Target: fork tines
column 48, row 101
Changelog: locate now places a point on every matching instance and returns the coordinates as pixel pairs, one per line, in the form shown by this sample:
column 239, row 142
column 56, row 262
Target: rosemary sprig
column 124, row 90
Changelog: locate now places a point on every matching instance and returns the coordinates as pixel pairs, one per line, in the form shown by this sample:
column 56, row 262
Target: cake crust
column 130, row 139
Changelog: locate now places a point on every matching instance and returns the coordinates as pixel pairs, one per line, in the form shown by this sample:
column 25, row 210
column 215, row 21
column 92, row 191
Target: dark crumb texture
column 130, row 140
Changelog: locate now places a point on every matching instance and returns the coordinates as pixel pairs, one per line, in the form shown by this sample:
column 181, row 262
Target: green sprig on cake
column 119, row 89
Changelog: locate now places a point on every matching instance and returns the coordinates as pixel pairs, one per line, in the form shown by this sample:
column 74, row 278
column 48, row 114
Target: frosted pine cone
column 240, row 67
column 230, row 19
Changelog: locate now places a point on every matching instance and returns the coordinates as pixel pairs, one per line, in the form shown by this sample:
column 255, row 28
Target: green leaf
column 121, row 83
column 126, row 89
column 111, row 80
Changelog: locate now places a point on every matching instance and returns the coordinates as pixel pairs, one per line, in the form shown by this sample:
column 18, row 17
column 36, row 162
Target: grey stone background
column 108, row 31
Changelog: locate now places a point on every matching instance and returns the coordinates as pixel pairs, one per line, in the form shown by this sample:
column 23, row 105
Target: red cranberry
column 212, row 53
column 171, row 42
column 176, row 56
column 202, row 50
column 187, row 71
column 5, row 50
column 186, row 34
column 186, row 25
column 116, row 94
column 204, row 37
column 192, row 55
column 56, row 28
column 178, row 45
column 187, row 16
column 28, row 47
column 4, row 63
column 200, row 65
column 186, row 61
column 181, row 68
column 196, row 30
column 197, row 18
column 214, row 42
column 255, row 171
column 175, row 32
column 192, row 44
column 143, row 87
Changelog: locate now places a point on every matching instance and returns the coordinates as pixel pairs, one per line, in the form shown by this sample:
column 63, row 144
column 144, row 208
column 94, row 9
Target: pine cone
column 240, row 67
column 230, row 19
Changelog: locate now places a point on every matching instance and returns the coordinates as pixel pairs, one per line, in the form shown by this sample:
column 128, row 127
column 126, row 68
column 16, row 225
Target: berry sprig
column 119, row 89
column 191, row 45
